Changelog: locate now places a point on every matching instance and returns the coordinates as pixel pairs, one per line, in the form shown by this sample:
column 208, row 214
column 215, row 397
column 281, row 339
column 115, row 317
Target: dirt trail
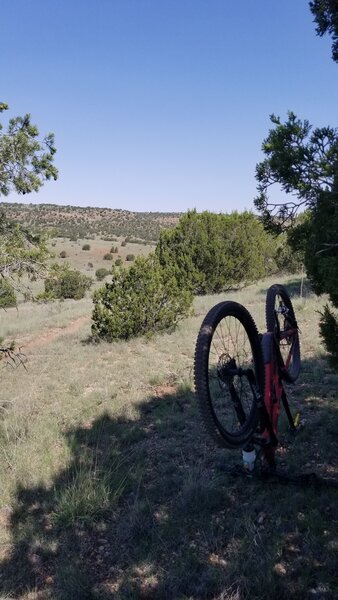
column 51, row 334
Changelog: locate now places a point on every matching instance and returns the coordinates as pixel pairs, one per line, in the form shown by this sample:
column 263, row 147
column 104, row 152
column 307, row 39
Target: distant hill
column 79, row 222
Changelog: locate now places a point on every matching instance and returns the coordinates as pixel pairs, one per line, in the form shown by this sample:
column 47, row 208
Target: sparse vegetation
column 108, row 256
column 86, row 247
column 78, row 223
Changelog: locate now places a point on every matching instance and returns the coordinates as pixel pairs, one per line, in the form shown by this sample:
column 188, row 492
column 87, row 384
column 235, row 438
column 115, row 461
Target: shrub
column 101, row 273
column 65, row 282
column 124, row 243
column 108, row 256
column 130, row 257
column 214, row 252
column 328, row 326
column 90, row 265
column 118, row 262
column 63, row 254
column 7, row 294
column 86, row 247
column 142, row 299
column 114, row 249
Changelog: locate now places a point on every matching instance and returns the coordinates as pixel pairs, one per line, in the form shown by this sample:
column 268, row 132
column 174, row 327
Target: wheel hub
column 226, row 366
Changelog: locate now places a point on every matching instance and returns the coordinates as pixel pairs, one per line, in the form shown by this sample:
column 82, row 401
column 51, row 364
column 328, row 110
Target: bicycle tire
column 280, row 315
column 216, row 355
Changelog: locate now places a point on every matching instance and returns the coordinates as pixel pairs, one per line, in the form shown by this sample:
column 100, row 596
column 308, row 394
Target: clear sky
column 162, row 105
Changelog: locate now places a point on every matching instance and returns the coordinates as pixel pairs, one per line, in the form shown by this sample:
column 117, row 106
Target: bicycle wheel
column 229, row 374
column 281, row 320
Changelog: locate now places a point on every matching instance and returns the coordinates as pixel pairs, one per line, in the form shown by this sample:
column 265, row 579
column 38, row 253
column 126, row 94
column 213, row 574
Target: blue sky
column 162, row 105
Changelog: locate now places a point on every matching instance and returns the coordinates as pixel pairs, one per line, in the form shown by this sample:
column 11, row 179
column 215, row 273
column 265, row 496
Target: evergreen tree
column 214, row 252
column 25, row 161
column 325, row 13
column 304, row 162
column 142, row 299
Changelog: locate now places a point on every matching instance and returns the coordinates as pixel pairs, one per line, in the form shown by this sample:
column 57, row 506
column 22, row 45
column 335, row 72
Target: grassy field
column 85, row 261
column 110, row 488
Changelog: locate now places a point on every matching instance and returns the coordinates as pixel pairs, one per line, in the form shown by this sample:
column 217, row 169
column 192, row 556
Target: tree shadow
column 297, row 288
column 142, row 511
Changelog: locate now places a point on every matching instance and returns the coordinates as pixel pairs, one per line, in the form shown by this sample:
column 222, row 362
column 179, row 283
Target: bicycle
column 239, row 374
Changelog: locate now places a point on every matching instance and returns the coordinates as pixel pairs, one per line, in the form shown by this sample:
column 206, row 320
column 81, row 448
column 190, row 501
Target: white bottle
column 249, row 459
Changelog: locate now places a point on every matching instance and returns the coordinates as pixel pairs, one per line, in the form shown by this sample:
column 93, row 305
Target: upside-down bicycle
column 239, row 374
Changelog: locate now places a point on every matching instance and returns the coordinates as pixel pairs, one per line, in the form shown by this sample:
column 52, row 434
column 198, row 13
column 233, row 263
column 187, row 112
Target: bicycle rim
column 227, row 348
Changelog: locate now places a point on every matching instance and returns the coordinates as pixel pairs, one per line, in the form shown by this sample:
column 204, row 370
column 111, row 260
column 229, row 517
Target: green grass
column 111, row 488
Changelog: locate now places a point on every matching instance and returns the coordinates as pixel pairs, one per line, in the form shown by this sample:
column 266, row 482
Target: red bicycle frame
column 274, row 393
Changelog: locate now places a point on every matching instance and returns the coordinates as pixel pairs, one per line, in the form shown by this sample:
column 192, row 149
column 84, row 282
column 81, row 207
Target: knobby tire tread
column 201, row 363
column 289, row 375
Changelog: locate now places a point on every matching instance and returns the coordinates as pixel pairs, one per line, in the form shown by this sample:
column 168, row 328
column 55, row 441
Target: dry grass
column 111, row 489
column 79, row 258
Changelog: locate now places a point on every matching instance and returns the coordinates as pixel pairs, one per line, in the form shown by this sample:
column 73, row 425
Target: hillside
column 86, row 222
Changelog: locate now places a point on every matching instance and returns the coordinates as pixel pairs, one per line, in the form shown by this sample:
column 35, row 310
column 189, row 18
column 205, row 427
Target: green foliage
column 288, row 259
column 142, row 299
column 326, row 17
column 21, row 252
column 213, row 252
column 101, row 273
column 118, row 262
column 328, row 326
column 7, row 294
column 321, row 256
column 304, row 162
column 290, row 245
column 130, row 257
column 64, row 282
column 108, row 256
column 86, row 247
column 25, row 161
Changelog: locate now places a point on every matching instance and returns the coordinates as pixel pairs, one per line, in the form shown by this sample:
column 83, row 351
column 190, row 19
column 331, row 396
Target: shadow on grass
column 296, row 287
column 142, row 512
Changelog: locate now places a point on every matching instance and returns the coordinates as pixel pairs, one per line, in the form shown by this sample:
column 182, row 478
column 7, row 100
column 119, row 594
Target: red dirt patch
column 51, row 334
